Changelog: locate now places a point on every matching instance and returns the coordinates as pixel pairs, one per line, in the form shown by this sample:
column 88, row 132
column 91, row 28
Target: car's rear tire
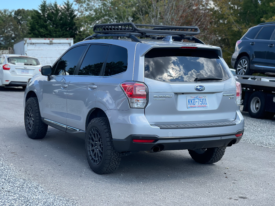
column 243, row 66
column 34, row 126
column 101, row 155
column 207, row 156
column 256, row 106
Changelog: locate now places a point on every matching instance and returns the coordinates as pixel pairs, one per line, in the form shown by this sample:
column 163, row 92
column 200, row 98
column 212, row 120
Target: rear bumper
column 234, row 59
column 17, row 84
column 127, row 145
column 233, row 62
column 126, row 125
column 9, row 79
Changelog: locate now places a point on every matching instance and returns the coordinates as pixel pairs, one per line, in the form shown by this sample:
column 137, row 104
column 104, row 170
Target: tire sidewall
column 103, row 135
column 30, row 103
column 261, row 112
column 39, row 129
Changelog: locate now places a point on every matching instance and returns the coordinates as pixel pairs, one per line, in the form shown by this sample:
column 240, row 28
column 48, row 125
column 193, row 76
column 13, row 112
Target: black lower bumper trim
column 127, row 145
column 17, row 84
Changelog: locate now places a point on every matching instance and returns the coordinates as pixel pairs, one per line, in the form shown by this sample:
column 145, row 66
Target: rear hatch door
column 24, row 66
column 188, row 87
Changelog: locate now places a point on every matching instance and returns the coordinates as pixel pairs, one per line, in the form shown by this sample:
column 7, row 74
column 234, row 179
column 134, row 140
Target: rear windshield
column 23, row 60
column 184, row 65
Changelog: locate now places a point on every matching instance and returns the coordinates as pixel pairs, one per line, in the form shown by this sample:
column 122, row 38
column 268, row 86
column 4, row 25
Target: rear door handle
column 252, row 43
column 271, row 45
column 92, row 86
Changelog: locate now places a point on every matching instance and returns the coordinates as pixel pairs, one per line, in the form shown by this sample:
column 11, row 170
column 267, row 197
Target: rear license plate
column 24, row 71
column 194, row 102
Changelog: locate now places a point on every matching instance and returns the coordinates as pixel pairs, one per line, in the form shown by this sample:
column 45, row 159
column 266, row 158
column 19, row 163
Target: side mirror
column 46, row 71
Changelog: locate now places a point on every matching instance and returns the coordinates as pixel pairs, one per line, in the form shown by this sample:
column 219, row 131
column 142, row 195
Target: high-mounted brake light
column 238, row 93
column 143, row 140
column 136, row 93
column 6, row 67
column 188, row 47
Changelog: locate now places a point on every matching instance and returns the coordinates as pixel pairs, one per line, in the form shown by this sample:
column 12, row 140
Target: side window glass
column 252, row 32
column 68, row 62
column 94, row 60
column 117, row 61
column 265, row 33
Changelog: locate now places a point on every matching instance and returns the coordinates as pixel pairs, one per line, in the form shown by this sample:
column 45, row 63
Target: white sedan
column 16, row 70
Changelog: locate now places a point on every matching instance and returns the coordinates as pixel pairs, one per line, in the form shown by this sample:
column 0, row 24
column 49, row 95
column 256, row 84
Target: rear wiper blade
column 206, row 79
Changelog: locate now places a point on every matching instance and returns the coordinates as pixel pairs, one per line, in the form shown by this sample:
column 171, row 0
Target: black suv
column 255, row 52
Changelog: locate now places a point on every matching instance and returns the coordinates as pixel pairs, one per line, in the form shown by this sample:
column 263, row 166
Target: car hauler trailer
column 46, row 50
column 258, row 95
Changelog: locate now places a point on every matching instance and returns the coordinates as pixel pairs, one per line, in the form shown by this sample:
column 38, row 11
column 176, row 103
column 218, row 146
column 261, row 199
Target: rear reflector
column 6, row 67
column 136, row 93
column 188, row 47
column 239, row 135
column 238, row 93
column 143, row 140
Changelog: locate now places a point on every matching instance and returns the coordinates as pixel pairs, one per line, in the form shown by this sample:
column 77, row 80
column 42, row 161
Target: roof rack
column 272, row 22
column 132, row 30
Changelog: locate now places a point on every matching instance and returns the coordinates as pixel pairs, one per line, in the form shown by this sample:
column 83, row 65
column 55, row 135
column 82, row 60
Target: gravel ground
column 260, row 132
column 15, row 190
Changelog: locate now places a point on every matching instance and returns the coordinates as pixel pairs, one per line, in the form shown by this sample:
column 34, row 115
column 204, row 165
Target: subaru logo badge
column 200, row 88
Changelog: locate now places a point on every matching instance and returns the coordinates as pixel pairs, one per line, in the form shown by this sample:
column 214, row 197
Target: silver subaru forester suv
column 146, row 89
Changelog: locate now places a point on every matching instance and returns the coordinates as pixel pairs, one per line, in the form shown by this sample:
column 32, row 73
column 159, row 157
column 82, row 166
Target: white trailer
column 46, row 50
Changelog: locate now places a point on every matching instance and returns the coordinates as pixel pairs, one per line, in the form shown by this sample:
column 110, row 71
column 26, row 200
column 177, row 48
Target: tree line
column 222, row 22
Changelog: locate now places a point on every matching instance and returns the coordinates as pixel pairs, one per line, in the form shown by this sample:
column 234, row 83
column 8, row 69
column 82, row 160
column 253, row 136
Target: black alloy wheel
column 101, row 154
column 95, row 147
column 29, row 118
column 243, row 66
column 34, row 126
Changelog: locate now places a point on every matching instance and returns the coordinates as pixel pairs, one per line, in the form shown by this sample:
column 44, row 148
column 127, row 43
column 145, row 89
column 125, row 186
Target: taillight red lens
column 143, row 140
column 238, row 92
column 134, row 90
column 136, row 93
column 6, row 67
column 238, row 42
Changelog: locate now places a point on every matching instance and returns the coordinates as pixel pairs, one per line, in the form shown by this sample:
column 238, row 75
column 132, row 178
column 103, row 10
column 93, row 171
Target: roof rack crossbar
column 156, row 30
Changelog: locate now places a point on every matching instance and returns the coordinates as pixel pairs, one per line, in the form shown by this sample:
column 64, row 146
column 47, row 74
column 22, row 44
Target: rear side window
column 117, row 61
column 23, row 60
column 265, row 33
column 183, row 65
column 94, row 60
column 252, row 32
column 68, row 62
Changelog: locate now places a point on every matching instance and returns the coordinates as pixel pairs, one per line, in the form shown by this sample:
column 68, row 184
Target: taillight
column 136, row 93
column 238, row 93
column 6, row 67
column 238, row 42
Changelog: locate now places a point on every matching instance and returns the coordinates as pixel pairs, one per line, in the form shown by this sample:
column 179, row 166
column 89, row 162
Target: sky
column 24, row 4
